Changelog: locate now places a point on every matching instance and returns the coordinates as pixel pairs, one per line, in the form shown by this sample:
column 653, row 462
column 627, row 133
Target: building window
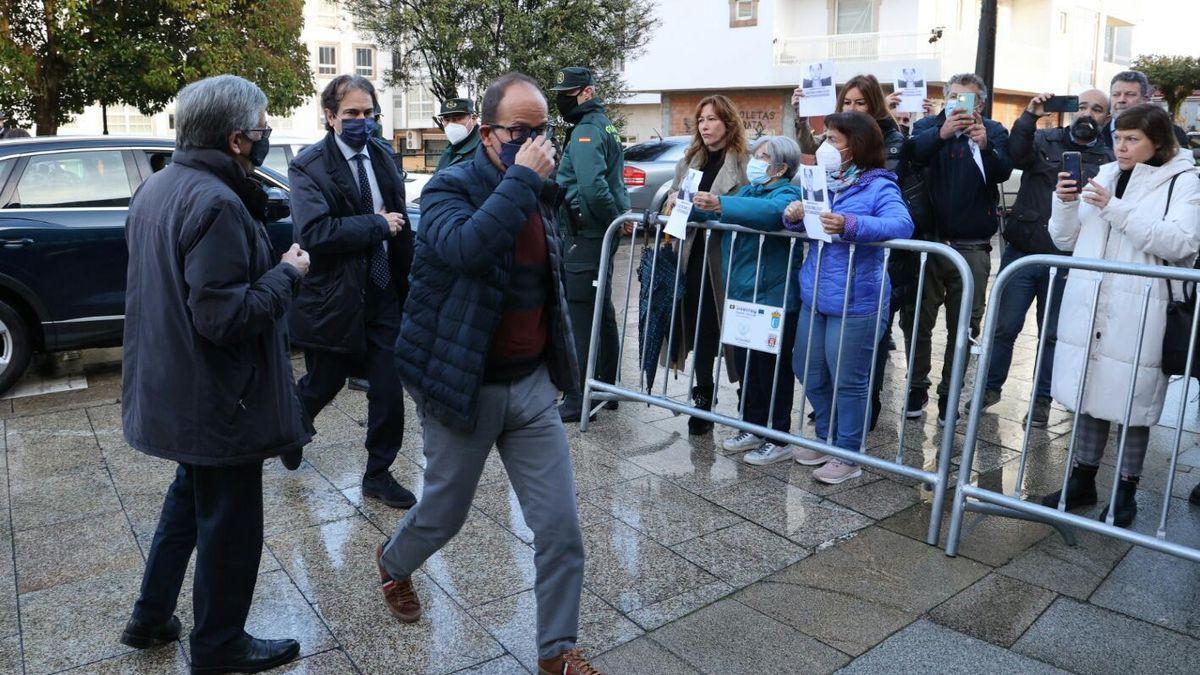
column 743, row 13
column 327, row 13
column 127, row 120
column 1117, row 43
column 364, row 62
column 420, row 106
column 856, row 16
column 327, row 60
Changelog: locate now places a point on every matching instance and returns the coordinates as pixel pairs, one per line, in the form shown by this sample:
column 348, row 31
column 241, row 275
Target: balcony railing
column 793, row 51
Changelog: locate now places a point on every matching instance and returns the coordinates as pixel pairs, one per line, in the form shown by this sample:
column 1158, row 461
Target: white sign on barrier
column 752, row 326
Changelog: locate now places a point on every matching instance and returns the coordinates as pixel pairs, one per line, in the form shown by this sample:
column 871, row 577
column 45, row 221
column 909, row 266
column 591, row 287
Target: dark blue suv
column 63, row 202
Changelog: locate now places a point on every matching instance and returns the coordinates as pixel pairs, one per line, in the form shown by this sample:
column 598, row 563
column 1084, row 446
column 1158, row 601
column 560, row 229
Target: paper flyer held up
column 682, row 211
column 820, row 94
column 814, row 191
column 913, row 90
column 752, row 326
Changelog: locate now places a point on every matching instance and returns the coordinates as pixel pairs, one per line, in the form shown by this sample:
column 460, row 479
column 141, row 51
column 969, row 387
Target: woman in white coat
column 1143, row 208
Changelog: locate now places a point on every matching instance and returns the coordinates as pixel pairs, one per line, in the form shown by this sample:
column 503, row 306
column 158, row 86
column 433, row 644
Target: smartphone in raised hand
column 1072, row 163
column 1061, row 104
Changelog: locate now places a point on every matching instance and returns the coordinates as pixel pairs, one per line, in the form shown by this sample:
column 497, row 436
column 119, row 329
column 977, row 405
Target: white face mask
column 829, row 158
column 455, row 133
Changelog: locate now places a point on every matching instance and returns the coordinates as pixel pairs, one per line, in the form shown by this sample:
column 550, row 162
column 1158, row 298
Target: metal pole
column 812, row 321
column 1038, row 364
column 594, row 338
column 1087, row 357
column 787, row 283
column 745, row 388
column 837, row 372
column 875, row 350
column 1187, row 381
column 1133, row 376
column 912, row 355
column 699, row 310
column 720, row 343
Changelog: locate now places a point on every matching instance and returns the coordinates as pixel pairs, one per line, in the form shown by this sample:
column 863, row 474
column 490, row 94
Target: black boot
column 1194, row 497
column 1081, row 489
column 702, row 398
column 1126, row 505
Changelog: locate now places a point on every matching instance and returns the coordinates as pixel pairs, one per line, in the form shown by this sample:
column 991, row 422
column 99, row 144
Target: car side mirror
column 278, row 204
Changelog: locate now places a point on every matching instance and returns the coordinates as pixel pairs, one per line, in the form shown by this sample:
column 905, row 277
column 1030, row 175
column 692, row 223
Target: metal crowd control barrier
column 596, row 390
column 1011, row 506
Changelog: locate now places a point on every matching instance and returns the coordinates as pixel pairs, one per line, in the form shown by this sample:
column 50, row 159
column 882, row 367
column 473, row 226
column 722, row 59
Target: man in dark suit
column 207, row 380
column 348, row 206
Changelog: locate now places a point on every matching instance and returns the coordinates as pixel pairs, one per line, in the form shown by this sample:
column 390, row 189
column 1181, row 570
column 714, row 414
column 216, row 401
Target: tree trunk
column 104, row 116
column 45, row 115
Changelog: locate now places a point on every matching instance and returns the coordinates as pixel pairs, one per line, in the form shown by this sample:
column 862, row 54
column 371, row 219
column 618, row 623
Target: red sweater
column 520, row 340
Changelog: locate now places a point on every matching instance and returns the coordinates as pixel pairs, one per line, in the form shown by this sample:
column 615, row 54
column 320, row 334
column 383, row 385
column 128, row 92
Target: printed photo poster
column 752, row 326
column 814, row 191
column 682, row 211
column 910, row 84
column 820, row 94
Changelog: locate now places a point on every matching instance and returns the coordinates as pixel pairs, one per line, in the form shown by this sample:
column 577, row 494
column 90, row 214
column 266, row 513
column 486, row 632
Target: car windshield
column 655, row 151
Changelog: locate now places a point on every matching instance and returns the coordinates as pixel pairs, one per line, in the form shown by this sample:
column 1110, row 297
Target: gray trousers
column 1093, row 439
column 944, row 287
column 521, row 420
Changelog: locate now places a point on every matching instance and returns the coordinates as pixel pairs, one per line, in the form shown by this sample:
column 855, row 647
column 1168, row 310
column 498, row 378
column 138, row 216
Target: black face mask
column 1085, row 129
column 566, row 104
column 258, row 151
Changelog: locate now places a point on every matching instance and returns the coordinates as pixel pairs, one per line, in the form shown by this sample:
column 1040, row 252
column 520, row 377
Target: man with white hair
column 207, row 379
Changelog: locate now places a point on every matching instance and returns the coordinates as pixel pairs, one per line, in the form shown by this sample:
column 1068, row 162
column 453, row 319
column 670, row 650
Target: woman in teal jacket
column 760, row 206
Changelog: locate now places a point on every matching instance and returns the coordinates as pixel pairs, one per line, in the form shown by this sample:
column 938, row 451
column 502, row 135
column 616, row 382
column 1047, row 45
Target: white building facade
column 754, row 50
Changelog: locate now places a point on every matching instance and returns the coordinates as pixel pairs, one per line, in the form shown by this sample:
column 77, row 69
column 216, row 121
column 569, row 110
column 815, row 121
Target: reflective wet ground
column 696, row 561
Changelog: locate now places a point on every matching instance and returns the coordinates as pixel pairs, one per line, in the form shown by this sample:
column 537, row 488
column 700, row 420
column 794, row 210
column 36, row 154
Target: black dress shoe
column 385, row 488
column 144, row 636
column 358, row 384
column 291, row 460
column 570, row 412
column 252, row 656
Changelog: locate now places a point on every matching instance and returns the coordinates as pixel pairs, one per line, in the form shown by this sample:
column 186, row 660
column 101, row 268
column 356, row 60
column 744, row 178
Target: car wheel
column 15, row 346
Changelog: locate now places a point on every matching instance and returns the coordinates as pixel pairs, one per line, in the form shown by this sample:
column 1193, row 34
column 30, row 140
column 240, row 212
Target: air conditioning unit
column 413, row 140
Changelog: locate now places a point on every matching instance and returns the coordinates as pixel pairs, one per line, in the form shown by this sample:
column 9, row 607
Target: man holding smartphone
column 1040, row 155
column 966, row 158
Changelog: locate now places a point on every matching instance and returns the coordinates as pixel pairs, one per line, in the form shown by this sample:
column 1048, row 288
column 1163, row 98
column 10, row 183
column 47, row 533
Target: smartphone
column 965, row 102
column 1061, row 104
column 1072, row 163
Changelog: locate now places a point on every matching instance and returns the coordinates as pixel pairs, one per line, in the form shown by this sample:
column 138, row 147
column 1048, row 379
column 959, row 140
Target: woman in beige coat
column 1143, row 208
column 719, row 151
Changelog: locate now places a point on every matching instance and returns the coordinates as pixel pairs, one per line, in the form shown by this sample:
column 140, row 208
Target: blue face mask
column 508, row 152
column 356, row 132
column 756, row 171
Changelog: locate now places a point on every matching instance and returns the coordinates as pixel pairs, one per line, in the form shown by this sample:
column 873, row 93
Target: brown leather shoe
column 570, row 662
column 399, row 595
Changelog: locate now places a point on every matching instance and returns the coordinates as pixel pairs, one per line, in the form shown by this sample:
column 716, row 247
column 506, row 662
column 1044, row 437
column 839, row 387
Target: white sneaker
column 768, row 453
column 809, row 457
column 743, row 441
column 836, row 471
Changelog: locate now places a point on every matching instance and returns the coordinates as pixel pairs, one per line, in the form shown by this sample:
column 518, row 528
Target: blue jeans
column 1030, row 284
column 853, row 379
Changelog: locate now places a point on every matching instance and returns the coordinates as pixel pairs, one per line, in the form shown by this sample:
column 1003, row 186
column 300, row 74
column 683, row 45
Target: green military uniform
column 464, row 149
column 590, row 174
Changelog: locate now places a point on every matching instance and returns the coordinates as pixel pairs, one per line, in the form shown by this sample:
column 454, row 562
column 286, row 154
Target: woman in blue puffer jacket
column 760, row 206
column 866, row 206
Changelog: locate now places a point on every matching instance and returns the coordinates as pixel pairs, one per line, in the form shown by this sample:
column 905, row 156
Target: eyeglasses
column 520, row 133
column 265, row 131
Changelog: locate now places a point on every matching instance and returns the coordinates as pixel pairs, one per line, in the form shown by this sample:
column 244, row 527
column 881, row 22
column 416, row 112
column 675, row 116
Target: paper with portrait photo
column 820, row 94
column 815, row 192
column 913, row 90
column 681, row 213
